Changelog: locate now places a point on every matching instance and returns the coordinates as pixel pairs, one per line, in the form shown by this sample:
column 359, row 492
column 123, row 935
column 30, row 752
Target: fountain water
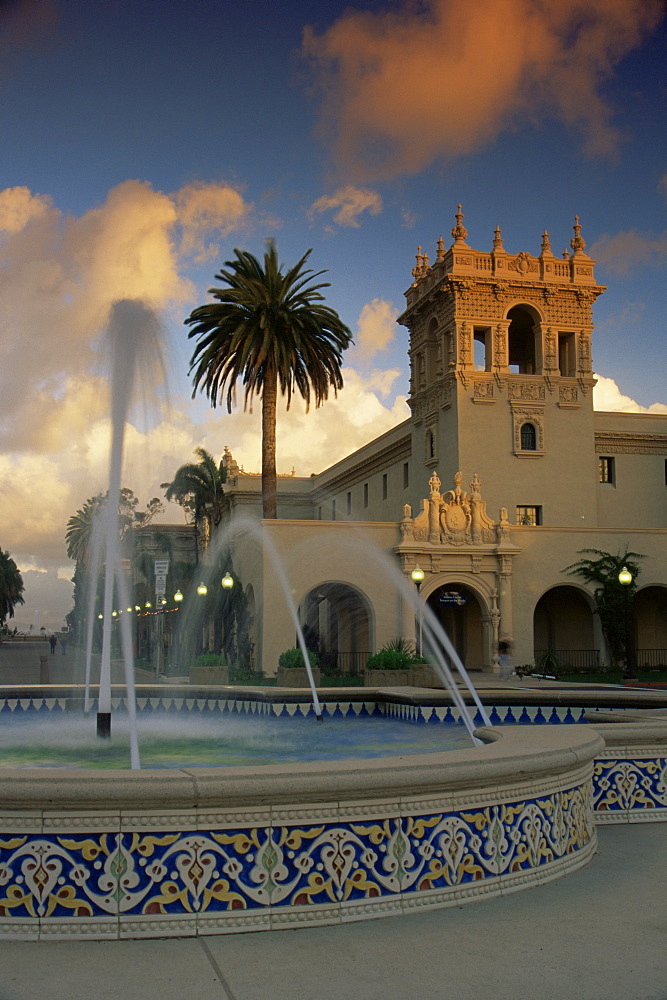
column 132, row 344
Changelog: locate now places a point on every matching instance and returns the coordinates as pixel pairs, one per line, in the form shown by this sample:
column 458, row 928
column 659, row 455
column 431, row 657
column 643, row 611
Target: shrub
column 210, row 660
column 398, row 654
column 294, row 658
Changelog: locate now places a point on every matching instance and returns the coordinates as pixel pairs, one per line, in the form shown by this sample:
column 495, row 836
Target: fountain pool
column 34, row 739
column 203, row 850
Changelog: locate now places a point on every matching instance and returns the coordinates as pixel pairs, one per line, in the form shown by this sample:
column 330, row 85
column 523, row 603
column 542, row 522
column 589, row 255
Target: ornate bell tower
column 501, row 374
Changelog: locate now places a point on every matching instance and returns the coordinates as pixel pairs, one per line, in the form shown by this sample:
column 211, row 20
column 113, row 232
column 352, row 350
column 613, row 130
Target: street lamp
column 625, row 578
column 227, row 581
column 202, row 589
column 178, row 597
column 418, row 578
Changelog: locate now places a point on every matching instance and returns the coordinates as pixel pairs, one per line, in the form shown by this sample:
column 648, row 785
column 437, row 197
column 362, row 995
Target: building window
column 606, row 470
column 430, row 445
column 529, row 515
column 406, row 474
column 349, row 504
column 528, row 437
column 385, row 488
column 365, row 494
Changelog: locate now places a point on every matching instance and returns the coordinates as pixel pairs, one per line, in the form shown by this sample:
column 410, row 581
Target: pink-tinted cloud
column 442, row 78
column 347, row 204
column 623, row 252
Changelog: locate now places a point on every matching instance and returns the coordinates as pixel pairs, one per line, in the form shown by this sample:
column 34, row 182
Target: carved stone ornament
column 526, row 390
column 455, row 518
column 568, row 394
column 523, row 263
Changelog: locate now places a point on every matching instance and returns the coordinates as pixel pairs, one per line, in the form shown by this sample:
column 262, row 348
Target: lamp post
column 418, row 578
column 626, row 578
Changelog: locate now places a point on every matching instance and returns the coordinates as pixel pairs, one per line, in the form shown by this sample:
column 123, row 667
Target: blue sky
column 142, row 140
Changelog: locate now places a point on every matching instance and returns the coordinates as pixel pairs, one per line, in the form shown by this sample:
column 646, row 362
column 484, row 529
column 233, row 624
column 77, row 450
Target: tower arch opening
column 522, row 340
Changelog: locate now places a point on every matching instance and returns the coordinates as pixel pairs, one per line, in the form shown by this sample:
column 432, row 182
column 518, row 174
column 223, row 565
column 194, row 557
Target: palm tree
column 79, row 531
column 613, row 599
column 11, row 587
column 198, row 488
column 272, row 330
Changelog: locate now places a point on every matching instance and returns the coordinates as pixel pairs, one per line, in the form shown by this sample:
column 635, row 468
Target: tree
column 79, row 531
column 272, row 330
column 613, row 599
column 198, row 488
column 79, row 538
column 11, row 587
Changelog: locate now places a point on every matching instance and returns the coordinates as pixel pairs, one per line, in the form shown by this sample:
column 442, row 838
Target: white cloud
column 607, row 396
column 376, row 328
column 18, row 206
column 348, row 203
column 207, row 213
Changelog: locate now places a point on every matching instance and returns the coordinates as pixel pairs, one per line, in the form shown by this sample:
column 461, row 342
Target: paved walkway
column 598, row 934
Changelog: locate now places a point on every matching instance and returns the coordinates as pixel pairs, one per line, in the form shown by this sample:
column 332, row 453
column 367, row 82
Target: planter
column 209, row 675
column 296, row 677
column 424, row 676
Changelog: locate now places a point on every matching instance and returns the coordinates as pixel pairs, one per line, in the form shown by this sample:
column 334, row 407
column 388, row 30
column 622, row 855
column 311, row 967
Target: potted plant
column 209, row 668
column 292, row 669
column 398, row 665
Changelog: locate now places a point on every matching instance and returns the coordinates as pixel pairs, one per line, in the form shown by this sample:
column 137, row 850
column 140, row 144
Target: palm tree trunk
column 269, row 401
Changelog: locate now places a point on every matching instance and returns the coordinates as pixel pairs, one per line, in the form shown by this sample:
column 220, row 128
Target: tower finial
column 441, row 249
column 459, row 231
column 498, row 239
column 577, row 242
column 546, row 242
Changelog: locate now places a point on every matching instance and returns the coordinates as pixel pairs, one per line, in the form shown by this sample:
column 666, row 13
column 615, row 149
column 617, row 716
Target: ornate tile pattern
column 226, row 871
column 630, row 788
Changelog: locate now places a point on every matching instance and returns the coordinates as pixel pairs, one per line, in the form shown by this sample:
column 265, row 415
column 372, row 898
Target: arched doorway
column 458, row 610
column 563, row 625
column 650, row 619
column 337, row 624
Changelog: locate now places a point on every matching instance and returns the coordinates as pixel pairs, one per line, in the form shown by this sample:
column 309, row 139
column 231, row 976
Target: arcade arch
column 338, row 625
column 563, row 624
column 461, row 613
column 650, row 626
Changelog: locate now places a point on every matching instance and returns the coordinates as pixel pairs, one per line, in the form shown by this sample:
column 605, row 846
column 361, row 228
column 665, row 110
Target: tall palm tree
column 79, row 531
column 11, row 587
column 198, row 488
column 272, row 330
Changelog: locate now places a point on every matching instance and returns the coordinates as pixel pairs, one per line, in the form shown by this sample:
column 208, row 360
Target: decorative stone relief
column 483, row 391
column 523, row 263
column 500, row 346
column 525, row 390
column 453, row 518
column 550, row 359
column 568, row 394
column 584, row 351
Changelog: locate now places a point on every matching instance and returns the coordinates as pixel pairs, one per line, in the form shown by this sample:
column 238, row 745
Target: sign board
column 452, row 597
column 161, row 567
column 160, row 585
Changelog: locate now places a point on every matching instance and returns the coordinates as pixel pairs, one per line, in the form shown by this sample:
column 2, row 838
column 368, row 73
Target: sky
column 142, row 141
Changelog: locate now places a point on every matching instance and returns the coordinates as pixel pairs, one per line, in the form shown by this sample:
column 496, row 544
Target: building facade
column 498, row 479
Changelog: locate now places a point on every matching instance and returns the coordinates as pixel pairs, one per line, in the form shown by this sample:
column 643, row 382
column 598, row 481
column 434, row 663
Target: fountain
column 199, row 850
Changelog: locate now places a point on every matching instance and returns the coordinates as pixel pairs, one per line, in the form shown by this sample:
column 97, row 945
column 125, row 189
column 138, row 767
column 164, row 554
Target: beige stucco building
column 502, row 473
